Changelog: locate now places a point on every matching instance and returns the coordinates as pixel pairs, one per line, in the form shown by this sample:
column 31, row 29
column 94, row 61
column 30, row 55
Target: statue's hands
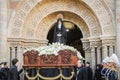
column 59, row 35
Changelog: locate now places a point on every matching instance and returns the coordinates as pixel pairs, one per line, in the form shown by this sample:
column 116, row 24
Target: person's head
column 79, row 63
column 87, row 64
column 5, row 64
column 99, row 66
column 112, row 64
column 113, row 61
column 15, row 62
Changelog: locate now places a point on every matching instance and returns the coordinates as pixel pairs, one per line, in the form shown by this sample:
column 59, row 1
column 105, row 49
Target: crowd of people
column 109, row 70
column 11, row 73
column 83, row 72
column 104, row 71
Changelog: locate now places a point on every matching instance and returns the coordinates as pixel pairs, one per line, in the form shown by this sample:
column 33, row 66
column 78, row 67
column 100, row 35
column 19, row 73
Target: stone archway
column 51, row 19
column 28, row 6
column 35, row 17
column 31, row 22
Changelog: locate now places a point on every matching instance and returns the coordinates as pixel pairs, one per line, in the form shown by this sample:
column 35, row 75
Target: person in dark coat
column 5, row 71
column 81, row 72
column 59, row 32
column 14, row 73
column 89, row 71
column 97, row 75
column 1, row 73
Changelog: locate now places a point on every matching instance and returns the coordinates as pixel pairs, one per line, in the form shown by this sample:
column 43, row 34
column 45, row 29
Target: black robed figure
column 60, row 36
column 59, row 32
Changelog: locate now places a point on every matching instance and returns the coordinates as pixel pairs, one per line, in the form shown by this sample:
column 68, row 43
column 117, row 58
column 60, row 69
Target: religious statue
column 59, row 32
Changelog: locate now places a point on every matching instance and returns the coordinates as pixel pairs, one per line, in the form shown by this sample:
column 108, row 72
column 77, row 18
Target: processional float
column 51, row 56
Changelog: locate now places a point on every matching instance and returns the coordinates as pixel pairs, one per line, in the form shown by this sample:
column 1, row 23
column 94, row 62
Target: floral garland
column 54, row 48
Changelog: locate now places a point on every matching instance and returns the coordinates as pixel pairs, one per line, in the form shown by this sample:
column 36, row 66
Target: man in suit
column 14, row 73
column 5, row 71
column 81, row 72
column 89, row 71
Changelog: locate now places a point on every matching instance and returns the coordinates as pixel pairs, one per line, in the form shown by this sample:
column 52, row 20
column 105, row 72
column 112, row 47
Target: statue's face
column 59, row 22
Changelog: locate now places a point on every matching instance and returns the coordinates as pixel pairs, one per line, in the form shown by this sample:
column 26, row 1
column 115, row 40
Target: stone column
column 93, row 61
column 99, row 55
column 20, row 56
column 86, row 47
column 13, row 53
column 104, row 51
column 107, row 41
column 94, row 44
column 118, row 27
column 111, row 50
column 4, row 55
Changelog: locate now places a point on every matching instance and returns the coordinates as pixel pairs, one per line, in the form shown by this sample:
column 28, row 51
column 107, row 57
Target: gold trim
column 61, row 76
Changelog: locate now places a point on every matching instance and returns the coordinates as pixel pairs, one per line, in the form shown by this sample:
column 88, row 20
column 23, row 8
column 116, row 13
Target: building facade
column 26, row 23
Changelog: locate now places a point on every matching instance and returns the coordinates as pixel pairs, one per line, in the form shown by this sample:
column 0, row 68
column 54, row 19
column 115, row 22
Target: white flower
column 54, row 49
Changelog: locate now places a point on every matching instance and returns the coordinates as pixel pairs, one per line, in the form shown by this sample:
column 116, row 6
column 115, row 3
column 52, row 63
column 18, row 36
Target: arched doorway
column 74, row 36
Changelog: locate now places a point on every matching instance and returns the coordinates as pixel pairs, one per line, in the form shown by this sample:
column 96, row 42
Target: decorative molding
column 79, row 9
column 85, row 12
column 102, row 11
column 26, row 42
column 108, row 42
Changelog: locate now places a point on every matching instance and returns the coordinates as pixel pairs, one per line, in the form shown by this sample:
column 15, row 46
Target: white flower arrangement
column 54, row 48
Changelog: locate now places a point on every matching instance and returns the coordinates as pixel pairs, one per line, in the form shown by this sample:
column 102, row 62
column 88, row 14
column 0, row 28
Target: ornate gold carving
column 49, row 59
column 38, row 75
column 32, row 57
column 66, row 56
